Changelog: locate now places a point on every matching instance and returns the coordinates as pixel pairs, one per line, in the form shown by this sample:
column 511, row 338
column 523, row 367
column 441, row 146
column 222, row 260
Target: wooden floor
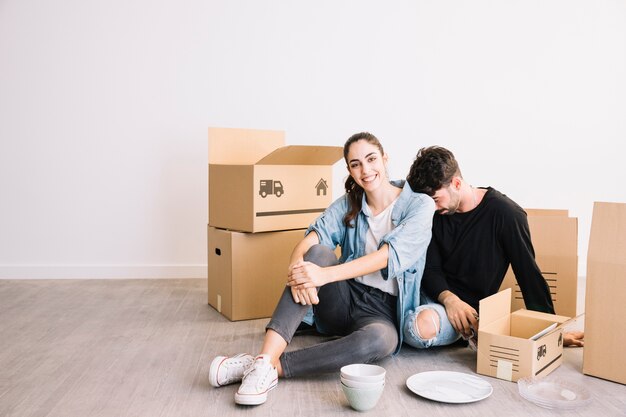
column 143, row 348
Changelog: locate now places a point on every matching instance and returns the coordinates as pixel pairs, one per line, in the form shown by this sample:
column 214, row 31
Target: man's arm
column 533, row 285
column 461, row 315
column 516, row 240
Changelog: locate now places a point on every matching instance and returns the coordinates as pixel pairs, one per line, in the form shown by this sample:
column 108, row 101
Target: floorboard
column 143, row 348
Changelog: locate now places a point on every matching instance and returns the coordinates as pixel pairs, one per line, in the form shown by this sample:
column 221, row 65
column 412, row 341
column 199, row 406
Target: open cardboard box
column 605, row 308
column 257, row 184
column 506, row 346
column 247, row 272
column 555, row 239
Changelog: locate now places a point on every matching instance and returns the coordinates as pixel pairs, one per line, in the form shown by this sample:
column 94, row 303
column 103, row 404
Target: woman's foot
column 227, row 370
column 258, row 380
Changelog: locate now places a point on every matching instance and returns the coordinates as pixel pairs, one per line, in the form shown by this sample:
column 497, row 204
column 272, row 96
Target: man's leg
column 429, row 326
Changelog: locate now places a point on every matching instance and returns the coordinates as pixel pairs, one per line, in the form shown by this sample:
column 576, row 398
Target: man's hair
column 432, row 169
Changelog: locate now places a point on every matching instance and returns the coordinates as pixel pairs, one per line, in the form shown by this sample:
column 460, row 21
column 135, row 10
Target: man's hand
column 462, row 316
column 574, row 339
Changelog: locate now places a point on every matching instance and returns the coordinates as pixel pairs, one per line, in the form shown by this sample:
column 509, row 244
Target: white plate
column 449, row 387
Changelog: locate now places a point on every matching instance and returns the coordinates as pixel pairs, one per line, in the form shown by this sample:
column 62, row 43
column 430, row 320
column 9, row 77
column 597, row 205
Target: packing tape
column 505, row 370
column 219, row 303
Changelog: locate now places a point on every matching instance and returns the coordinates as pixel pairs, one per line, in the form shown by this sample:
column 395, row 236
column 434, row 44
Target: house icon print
column 321, row 187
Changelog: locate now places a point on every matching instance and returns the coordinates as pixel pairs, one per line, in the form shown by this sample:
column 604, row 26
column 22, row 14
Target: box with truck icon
column 519, row 344
column 257, row 184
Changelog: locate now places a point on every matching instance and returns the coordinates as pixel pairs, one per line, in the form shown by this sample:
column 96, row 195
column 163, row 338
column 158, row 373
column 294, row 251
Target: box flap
column 607, row 242
column 493, row 307
column 546, row 212
column 554, row 236
column 230, row 146
column 542, row 316
column 303, row 155
column 562, row 321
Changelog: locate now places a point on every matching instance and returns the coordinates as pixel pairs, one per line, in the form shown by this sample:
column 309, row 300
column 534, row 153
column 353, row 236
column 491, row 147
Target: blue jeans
column 363, row 316
column 446, row 334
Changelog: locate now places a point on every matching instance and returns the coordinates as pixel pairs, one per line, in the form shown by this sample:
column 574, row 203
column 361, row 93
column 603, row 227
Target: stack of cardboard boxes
column 262, row 197
column 515, row 342
column 527, row 343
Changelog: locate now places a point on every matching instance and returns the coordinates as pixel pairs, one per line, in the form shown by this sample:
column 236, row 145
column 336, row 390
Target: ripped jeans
column 445, row 335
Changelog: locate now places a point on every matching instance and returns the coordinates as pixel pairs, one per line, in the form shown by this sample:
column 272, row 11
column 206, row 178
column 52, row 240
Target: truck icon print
column 541, row 351
column 267, row 187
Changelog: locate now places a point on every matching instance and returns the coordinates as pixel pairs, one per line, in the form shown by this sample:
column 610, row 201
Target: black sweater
column 470, row 253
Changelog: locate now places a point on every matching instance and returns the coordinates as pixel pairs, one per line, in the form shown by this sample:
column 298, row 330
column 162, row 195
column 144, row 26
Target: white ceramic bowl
column 362, row 399
column 360, row 384
column 363, row 372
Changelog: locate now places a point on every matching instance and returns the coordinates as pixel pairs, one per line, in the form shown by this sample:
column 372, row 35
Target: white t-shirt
column 380, row 225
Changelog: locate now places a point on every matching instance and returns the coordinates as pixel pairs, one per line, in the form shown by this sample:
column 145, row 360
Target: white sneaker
column 226, row 370
column 258, row 380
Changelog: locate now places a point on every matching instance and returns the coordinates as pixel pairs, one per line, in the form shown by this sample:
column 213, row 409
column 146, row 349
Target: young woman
column 383, row 229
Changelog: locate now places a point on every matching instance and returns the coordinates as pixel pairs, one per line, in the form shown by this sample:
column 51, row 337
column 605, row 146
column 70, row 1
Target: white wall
column 104, row 107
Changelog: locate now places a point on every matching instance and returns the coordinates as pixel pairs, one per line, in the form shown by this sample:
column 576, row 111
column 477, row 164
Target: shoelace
column 230, row 370
column 258, row 364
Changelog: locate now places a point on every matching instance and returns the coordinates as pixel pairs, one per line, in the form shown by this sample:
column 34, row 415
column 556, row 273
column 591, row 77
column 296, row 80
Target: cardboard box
column 506, row 347
column 555, row 239
column 247, row 272
column 605, row 308
column 257, row 184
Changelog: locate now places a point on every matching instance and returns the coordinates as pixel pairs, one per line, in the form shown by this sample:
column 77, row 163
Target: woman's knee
column 321, row 255
column 377, row 341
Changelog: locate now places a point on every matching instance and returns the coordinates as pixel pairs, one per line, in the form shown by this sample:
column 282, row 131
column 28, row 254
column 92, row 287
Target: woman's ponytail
column 353, row 190
column 355, row 200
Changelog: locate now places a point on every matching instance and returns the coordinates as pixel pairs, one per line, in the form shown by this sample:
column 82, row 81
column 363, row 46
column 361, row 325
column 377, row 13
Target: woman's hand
column 303, row 288
column 306, row 275
column 307, row 296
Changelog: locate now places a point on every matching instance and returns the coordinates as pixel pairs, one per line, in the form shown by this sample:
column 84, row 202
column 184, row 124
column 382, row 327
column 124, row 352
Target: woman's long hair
column 353, row 190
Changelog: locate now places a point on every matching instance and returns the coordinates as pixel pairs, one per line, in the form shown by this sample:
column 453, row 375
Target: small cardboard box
column 605, row 308
column 555, row 239
column 247, row 272
column 514, row 345
column 257, row 184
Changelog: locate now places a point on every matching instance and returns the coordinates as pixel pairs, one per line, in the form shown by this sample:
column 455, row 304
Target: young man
column 477, row 234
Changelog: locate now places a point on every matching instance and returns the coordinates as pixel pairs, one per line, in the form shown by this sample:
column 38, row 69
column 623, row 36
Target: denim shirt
column 408, row 241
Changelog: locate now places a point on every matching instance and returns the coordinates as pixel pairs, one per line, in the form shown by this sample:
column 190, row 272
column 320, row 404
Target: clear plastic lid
column 553, row 392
